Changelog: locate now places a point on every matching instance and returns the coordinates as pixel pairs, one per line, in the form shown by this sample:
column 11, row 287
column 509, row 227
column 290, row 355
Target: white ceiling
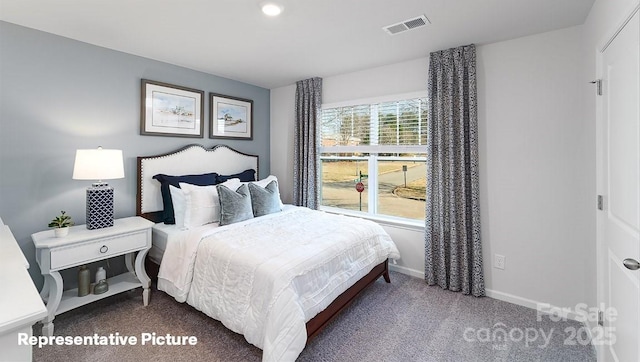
column 233, row 39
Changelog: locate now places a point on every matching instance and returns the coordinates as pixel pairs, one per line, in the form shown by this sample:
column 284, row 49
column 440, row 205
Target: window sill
column 408, row 224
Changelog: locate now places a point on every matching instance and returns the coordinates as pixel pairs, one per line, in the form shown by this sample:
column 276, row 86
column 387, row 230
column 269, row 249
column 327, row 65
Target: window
column 381, row 145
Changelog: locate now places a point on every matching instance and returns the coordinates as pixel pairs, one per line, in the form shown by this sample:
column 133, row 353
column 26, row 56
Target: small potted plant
column 61, row 224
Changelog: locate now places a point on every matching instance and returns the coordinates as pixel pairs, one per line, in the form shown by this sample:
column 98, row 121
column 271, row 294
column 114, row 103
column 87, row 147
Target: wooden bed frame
column 195, row 159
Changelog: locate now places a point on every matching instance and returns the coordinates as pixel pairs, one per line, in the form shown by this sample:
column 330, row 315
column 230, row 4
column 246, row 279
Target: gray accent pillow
column 235, row 206
column 265, row 200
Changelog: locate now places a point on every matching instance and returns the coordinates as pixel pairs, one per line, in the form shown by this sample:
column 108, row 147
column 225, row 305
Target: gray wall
column 58, row 95
column 536, row 157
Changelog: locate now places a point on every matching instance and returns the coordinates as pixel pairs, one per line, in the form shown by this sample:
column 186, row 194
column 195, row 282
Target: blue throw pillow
column 206, row 179
column 244, row 176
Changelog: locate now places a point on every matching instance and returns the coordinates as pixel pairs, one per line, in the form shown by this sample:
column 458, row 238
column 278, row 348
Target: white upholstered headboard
column 190, row 160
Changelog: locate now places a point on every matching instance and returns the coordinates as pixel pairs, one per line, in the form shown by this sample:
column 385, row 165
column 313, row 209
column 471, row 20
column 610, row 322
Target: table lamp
column 99, row 164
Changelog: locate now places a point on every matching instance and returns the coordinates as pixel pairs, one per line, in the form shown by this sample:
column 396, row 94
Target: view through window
column 373, row 158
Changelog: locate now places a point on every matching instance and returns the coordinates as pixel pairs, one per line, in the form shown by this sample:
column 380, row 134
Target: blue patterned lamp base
column 99, row 206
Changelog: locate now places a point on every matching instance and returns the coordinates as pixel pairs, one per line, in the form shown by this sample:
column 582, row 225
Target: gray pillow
column 235, row 206
column 265, row 200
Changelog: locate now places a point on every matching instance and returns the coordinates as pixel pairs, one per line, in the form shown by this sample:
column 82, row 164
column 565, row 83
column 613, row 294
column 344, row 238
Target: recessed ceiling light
column 271, row 9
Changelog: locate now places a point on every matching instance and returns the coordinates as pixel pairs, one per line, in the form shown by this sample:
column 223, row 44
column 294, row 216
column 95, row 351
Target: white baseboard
column 565, row 313
column 514, row 299
column 407, row 271
column 510, row 298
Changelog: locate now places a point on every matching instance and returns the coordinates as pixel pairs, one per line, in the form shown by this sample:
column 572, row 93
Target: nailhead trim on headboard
column 221, row 159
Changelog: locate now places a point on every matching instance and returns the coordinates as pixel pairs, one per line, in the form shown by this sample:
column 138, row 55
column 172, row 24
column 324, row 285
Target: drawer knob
column 104, row 249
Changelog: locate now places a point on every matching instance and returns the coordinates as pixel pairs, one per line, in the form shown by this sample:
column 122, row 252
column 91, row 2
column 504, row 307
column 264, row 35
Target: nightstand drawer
column 65, row 257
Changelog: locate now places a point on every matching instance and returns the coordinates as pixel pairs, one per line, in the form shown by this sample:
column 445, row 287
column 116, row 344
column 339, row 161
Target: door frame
column 601, row 250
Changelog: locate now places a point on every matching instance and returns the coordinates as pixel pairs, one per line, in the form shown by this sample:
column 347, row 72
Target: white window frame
column 373, row 158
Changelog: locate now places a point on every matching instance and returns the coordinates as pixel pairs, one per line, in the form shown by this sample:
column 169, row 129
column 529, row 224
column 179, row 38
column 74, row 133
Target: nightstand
column 82, row 246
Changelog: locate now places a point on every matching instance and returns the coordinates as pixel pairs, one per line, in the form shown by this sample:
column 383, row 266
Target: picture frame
column 171, row 110
column 230, row 117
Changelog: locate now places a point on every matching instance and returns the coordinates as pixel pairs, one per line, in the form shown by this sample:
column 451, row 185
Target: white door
column 619, row 222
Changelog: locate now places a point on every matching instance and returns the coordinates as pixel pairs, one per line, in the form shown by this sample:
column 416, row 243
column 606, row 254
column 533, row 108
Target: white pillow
column 265, row 181
column 202, row 203
column 179, row 205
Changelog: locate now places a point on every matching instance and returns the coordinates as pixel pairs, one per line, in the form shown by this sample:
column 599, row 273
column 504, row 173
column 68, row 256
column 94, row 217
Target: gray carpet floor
column 402, row 321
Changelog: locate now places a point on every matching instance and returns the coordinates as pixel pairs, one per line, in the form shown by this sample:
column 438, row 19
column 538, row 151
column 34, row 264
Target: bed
column 279, row 278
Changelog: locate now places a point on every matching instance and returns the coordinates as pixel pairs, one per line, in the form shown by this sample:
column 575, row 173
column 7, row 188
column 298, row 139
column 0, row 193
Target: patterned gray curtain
column 306, row 165
column 453, row 250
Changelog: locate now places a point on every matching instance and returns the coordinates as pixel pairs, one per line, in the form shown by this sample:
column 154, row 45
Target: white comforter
column 266, row 277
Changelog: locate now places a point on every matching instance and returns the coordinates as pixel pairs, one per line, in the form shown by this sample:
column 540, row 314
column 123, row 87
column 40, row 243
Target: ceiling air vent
column 407, row 25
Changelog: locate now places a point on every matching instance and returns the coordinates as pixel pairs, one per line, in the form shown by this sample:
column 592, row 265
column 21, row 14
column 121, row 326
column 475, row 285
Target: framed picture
column 171, row 110
column 230, row 117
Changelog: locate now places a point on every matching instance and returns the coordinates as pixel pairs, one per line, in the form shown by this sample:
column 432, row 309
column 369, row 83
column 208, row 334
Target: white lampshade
column 98, row 164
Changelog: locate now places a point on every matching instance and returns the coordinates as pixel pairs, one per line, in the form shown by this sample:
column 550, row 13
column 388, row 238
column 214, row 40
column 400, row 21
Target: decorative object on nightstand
column 101, row 287
column 84, row 281
column 101, row 274
column 61, row 224
column 101, row 282
column 99, row 164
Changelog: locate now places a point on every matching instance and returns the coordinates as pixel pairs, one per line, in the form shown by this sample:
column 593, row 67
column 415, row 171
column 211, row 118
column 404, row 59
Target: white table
column 82, row 246
column 20, row 304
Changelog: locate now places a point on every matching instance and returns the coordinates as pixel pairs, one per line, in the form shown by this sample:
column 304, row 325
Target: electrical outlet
column 499, row 261
column 600, row 318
